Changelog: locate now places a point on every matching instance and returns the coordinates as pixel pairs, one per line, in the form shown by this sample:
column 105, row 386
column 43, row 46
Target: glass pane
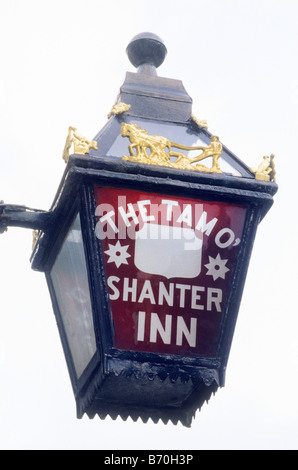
column 175, row 133
column 170, row 268
column 70, row 281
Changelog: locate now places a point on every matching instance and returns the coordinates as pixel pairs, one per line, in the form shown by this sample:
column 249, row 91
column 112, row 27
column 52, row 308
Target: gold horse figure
column 141, row 142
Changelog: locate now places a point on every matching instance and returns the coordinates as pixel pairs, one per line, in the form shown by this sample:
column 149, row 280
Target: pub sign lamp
column 146, row 248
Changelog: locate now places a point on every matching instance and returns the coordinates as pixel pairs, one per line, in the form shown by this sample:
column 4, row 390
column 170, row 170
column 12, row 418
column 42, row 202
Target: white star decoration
column 217, row 267
column 118, row 254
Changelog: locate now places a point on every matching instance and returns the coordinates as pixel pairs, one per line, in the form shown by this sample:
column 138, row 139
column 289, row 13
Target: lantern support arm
column 13, row 215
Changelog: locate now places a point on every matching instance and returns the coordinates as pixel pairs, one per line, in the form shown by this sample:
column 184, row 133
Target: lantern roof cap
column 146, row 51
column 149, row 95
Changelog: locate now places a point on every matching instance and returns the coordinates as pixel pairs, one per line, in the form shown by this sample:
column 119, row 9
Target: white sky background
column 62, row 63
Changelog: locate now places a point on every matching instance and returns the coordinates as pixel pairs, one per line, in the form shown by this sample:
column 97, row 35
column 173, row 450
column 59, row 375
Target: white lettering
column 108, row 217
column 167, row 295
column 143, row 211
column 115, row 295
column 230, row 240
column 214, row 296
column 186, row 216
column 190, row 335
column 171, row 294
column 195, row 296
column 203, row 226
column 183, row 288
column 106, row 213
column 170, row 205
column 99, row 228
column 131, row 214
column 115, row 460
column 157, row 327
column 223, row 239
column 165, row 331
column 141, row 326
column 147, row 292
column 130, row 290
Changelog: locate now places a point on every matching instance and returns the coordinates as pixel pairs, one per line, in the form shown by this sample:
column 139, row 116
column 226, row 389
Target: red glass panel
column 169, row 262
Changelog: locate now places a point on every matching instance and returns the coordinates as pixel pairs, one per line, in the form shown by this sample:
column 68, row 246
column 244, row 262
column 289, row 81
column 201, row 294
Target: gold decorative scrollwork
column 199, row 122
column 151, row 149
column 266, row 169
column 119, row 109
column 80, row 144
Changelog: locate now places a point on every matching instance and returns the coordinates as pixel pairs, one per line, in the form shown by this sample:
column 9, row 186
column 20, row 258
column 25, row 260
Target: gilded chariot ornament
column 151, row 149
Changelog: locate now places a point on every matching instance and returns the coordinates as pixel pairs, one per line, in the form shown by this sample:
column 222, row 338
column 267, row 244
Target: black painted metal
column 146, row 48
column 13, row 215
column 128, row 383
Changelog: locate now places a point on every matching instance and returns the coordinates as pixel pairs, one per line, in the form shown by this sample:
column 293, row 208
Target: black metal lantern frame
column 106, row 379
column 105, row 385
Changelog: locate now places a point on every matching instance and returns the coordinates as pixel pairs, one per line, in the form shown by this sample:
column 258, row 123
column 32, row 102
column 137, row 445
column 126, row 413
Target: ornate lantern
column 146, row 248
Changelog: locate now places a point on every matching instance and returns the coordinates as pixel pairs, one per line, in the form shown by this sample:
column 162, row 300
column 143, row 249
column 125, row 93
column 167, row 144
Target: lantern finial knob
column 146, row 51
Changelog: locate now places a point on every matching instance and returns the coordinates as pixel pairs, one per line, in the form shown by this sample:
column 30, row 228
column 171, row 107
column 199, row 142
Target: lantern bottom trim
column 175, row 414
column 127, row 389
